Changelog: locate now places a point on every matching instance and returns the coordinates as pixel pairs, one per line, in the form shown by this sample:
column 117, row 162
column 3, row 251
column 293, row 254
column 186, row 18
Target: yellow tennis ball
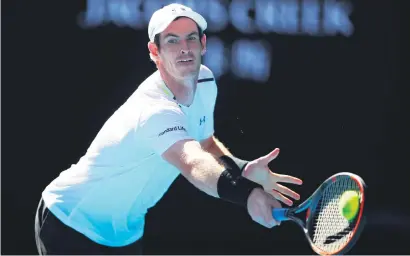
column 349, row 204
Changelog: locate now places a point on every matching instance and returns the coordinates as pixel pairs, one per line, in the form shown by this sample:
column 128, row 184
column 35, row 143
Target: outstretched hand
column 258, row 171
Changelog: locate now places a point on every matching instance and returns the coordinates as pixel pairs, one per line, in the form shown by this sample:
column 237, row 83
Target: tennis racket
column 327, row 231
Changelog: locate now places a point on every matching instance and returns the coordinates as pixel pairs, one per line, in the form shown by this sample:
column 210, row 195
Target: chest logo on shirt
column 202, row 120
column 176, row 128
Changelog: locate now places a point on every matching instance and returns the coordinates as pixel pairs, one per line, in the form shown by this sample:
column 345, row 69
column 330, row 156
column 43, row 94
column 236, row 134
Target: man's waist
column 102, row 226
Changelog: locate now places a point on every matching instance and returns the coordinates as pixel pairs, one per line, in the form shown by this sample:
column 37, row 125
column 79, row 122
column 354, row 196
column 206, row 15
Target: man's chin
column 188, row 73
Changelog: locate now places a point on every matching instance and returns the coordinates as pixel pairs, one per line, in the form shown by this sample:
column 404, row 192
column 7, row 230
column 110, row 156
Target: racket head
column 328, row 232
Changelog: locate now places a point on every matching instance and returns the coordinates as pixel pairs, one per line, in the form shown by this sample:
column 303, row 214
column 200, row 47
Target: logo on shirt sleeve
column 176, row 128
column 202, row 120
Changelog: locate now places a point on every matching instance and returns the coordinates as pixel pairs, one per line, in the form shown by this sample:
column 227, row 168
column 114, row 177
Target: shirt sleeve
column 163, row 127
column 210, row 99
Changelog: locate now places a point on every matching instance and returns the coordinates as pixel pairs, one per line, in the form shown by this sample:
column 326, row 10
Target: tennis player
column 165, row 128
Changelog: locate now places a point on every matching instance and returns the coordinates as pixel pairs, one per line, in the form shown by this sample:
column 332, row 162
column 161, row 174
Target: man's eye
column 192, row 38
column 172, row 41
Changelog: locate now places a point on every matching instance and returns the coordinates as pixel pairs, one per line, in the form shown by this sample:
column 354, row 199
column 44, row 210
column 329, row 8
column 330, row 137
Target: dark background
column 332, row 104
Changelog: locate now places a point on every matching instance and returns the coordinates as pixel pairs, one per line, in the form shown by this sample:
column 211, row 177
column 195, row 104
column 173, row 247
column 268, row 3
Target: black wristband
column 233, row 163
column 234, row 188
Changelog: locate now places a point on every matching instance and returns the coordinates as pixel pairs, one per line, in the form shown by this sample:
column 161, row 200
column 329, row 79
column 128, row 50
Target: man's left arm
column 256, row 170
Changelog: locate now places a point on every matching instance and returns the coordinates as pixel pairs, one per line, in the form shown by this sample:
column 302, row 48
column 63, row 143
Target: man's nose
column 184, row 47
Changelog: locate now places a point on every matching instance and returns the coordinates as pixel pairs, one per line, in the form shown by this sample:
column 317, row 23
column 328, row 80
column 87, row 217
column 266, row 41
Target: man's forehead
column 181, row 26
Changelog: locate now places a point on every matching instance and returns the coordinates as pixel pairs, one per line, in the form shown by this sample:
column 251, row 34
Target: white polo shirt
column 107, row 193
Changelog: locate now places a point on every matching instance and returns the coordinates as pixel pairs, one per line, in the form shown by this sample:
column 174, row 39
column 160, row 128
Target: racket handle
column 280, row 214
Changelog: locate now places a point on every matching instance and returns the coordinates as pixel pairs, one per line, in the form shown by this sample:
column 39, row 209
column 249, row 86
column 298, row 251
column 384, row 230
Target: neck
column 183, row 89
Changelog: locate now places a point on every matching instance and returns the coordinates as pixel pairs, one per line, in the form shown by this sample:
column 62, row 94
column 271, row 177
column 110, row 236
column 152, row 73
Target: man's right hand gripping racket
column 326, row 229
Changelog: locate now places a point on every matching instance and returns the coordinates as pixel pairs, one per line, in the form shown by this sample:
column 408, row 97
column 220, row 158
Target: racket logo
column 336, row 237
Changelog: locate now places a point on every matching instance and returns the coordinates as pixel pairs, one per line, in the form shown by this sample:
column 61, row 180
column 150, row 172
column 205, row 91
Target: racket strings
column 331, row 231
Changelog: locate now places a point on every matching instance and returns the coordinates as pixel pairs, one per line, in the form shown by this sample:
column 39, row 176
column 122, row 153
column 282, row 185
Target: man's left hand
column 259, row 172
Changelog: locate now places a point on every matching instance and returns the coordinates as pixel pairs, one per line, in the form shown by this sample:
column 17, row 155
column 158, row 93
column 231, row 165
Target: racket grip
column 280, row 214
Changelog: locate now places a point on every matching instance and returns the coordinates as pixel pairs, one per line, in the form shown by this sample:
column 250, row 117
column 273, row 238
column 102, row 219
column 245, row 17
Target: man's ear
column 203, row 43
column 153, row 50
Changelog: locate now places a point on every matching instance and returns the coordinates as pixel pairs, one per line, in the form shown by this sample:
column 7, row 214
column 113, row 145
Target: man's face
column 181, row 49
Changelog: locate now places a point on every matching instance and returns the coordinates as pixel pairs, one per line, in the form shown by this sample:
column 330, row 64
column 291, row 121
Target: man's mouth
column 185, row 60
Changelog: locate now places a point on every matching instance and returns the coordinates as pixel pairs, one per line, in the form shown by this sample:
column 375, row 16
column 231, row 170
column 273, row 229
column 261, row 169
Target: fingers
column 277, row 189
column 287, row 179
column 260, row 208
column 280, row 197
column 287, row 191
column 270, row 221
column 274, row 205
column 263, row 216
column 269, row 157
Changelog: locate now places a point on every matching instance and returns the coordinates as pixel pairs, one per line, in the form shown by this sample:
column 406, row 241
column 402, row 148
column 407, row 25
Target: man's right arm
column 196, row 165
